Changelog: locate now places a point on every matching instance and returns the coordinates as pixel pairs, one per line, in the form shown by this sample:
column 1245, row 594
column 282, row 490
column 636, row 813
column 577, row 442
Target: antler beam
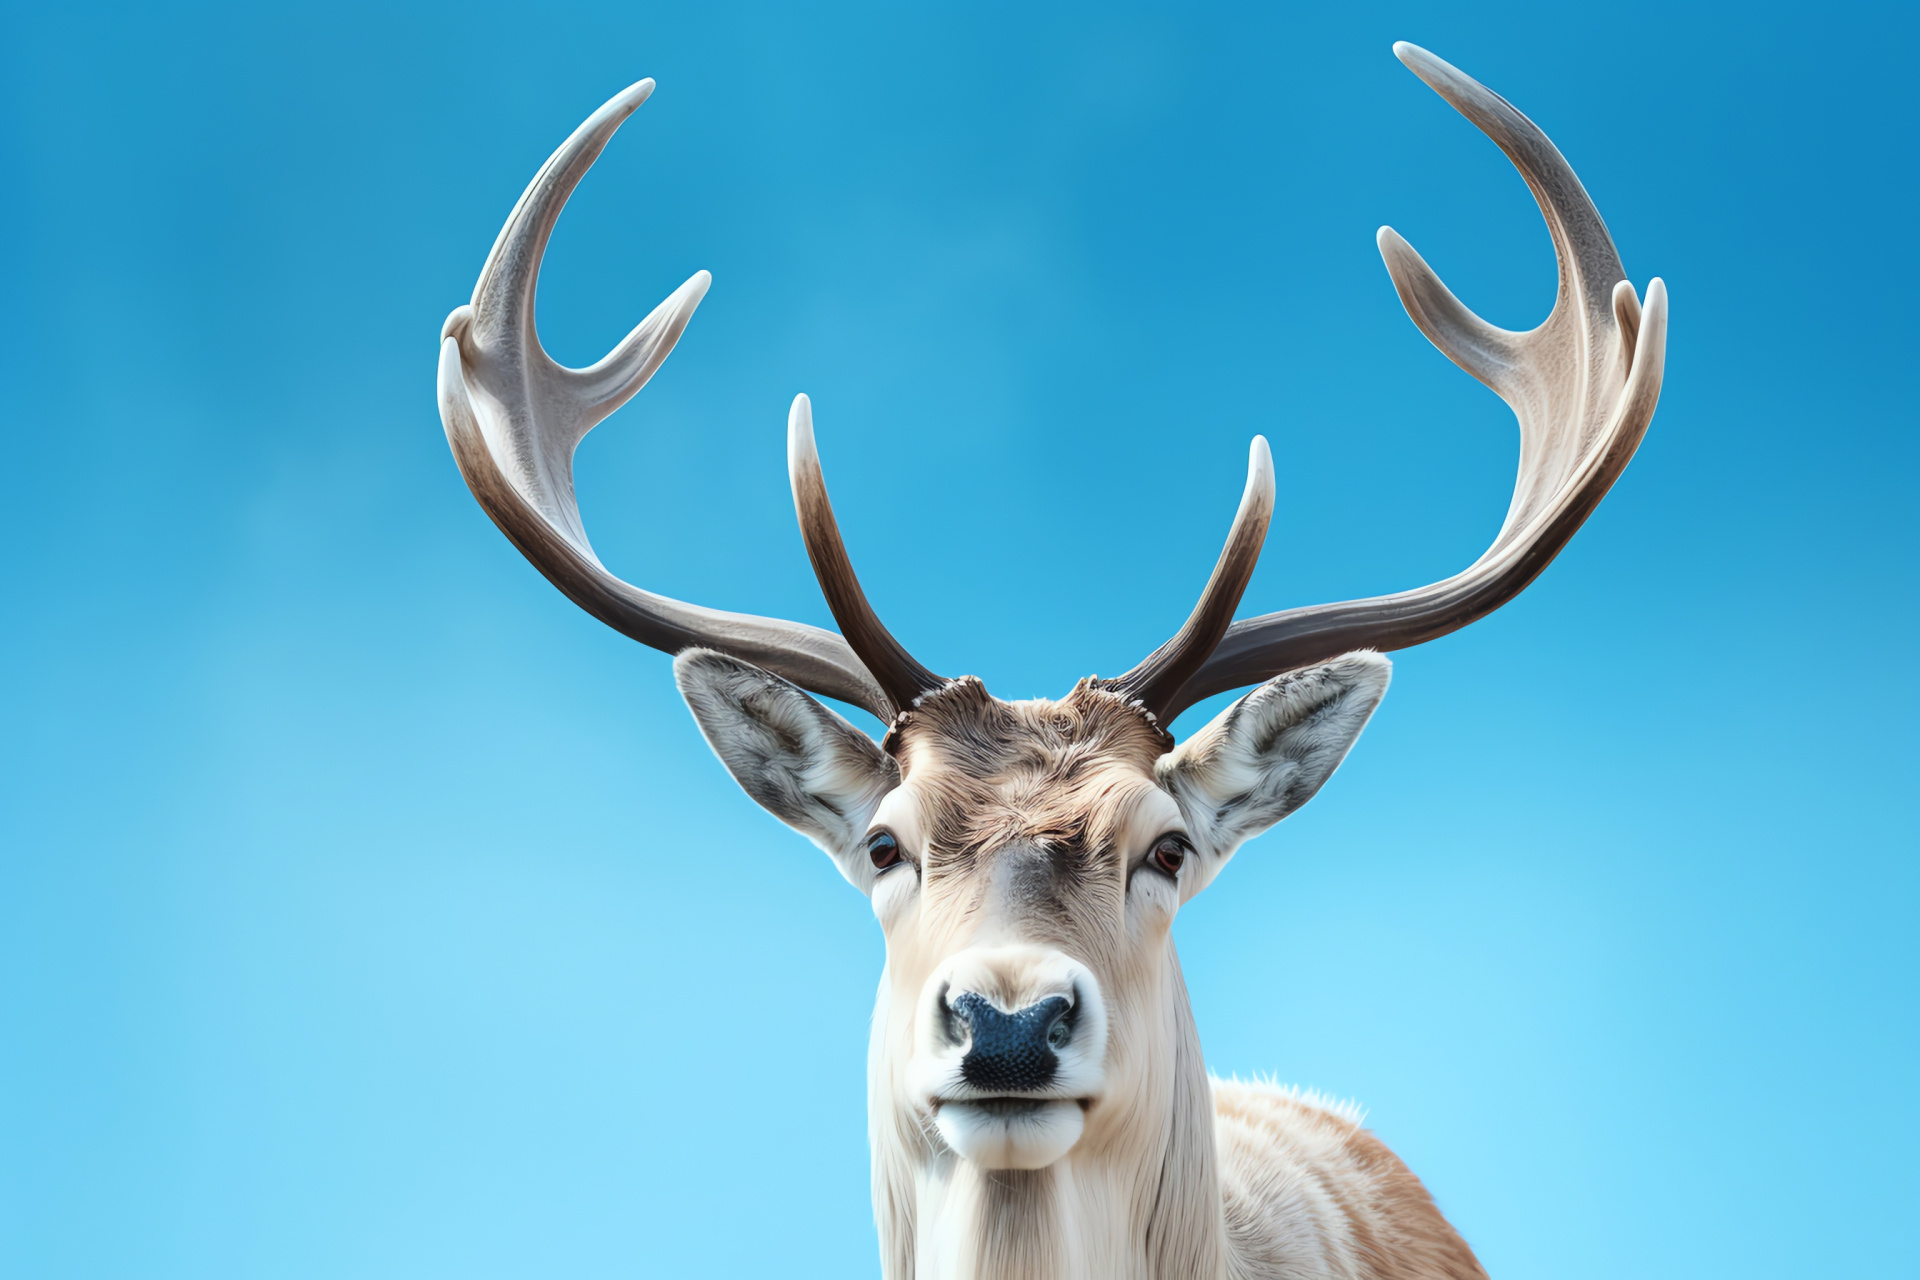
column 1583, row 386
column 514, row 417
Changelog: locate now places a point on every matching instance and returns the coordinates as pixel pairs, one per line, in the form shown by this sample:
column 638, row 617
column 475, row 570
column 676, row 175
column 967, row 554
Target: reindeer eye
column 1169, row 852
column 883, row 849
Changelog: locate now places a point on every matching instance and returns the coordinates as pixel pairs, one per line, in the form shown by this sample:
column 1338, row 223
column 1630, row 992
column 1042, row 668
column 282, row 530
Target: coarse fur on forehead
column 1045, row 773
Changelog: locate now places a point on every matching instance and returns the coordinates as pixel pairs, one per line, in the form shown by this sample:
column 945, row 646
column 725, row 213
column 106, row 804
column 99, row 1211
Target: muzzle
column 1009, row 1053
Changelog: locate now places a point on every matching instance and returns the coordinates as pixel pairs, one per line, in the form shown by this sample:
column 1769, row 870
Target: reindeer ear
column 1265, row 756
column 804, row 764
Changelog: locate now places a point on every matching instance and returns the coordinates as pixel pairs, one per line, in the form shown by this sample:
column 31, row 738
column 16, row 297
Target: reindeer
column 1038, row 1102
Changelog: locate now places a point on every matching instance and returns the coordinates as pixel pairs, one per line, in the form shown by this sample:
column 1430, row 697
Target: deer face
column 1025, row 861
column 1017, row 936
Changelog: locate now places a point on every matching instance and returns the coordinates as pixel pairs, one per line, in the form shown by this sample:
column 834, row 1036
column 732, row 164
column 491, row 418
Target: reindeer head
column 1026, row 859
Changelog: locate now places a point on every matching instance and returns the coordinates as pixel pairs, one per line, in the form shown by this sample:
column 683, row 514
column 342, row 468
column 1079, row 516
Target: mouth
column 1008, row 1107
column 1001, row 1108
column 1010, row 1132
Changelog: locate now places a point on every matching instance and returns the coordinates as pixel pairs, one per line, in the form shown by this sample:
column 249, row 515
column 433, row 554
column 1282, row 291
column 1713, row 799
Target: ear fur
column 802, row 763
column 1266, row 755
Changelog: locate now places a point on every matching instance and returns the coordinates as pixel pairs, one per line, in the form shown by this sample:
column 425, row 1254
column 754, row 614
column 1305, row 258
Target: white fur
column 1131, row 1162
column 1027, row 1140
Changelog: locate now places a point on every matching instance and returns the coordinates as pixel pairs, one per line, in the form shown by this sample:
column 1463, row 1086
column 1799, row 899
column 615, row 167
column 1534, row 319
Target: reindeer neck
column 1141, row 1204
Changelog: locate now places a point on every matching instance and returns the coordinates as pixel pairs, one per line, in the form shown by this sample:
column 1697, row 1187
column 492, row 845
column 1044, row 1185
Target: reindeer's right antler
column 514, row 417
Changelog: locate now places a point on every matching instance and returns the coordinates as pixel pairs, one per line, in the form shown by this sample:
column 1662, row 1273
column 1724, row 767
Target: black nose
column 1013, row 1052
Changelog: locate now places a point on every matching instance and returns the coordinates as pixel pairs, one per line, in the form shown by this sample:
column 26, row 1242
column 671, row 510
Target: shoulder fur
column 1308, row 1192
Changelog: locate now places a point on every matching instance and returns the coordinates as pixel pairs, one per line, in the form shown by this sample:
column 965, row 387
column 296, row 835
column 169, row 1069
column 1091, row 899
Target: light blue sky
column 367, row 910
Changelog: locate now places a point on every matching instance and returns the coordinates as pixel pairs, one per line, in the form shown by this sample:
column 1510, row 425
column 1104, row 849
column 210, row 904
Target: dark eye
column 883, row 849
column 1169, row 852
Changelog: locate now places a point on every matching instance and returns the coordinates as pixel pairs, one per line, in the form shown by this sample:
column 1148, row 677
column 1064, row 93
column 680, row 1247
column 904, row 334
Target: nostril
column 952, row 1025
column 1013, row 1052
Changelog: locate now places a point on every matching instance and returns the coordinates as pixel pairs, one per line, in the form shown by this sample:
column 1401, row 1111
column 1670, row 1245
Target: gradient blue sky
column 367, row 910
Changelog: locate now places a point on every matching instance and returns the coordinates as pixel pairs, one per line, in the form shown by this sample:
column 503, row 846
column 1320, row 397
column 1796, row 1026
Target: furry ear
column 804, row 764
column 1265, row 756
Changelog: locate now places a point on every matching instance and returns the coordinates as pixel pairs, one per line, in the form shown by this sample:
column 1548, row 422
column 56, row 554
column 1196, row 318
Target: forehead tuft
column 1054, row 773
column 962, row 726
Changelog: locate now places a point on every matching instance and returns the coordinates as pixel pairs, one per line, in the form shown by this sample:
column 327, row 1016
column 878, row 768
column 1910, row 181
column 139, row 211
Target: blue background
column 367, row 910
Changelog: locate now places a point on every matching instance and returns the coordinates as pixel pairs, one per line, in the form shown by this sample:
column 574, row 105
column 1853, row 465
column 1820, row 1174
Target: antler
column 514, row 417
column 1583, row 385
column 898, row 673
column 1162, row 673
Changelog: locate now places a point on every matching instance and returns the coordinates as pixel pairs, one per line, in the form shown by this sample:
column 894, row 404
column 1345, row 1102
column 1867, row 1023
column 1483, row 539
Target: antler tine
column 896, row 670
column 1583, row 386
column 1160, row 675
column 514, row 417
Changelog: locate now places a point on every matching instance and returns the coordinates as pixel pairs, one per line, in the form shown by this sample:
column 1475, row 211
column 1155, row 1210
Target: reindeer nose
column 1013, row 1052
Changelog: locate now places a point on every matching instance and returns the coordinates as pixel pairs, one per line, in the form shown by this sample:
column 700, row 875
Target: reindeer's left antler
column 1583, row 385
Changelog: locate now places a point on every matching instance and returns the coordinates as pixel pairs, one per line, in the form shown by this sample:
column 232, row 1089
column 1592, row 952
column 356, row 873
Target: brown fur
column 1307, row 1191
